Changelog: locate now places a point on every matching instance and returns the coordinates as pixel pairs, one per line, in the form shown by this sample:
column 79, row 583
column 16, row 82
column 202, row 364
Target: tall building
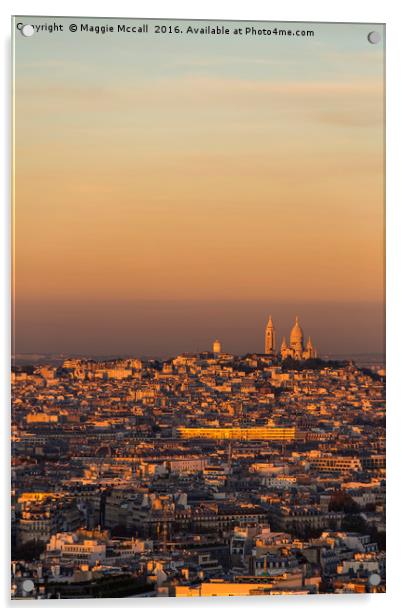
column 296, row 348
column 270, row 341
column 216, row 347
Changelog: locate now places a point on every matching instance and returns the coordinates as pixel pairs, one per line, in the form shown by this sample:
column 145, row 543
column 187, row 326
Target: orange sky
column 186, row 173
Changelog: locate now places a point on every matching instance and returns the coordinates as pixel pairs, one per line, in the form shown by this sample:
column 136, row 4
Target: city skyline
column 172, row 330
column 198, row 379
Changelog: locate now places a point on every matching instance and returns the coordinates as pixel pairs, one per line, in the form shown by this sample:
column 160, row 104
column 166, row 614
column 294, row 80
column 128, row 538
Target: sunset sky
column 171, row 189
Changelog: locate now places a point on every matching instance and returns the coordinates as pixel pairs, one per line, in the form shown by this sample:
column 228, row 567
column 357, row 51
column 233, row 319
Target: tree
column 342, row 501
column 354, row 523
column 29, row 551
column 378, row 537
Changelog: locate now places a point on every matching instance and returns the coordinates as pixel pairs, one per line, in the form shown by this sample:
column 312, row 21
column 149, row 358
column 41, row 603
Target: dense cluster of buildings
column 201, row 475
